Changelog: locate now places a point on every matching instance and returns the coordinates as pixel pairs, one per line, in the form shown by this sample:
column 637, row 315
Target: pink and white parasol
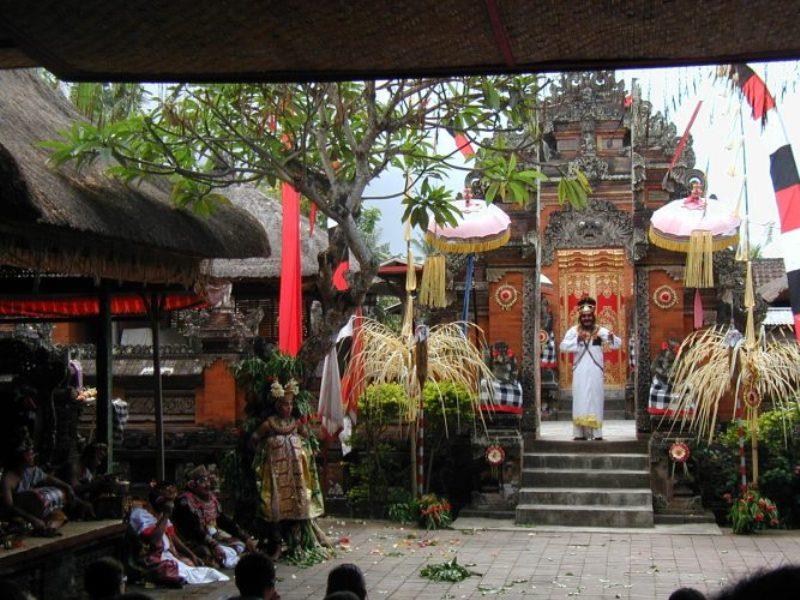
column 481, row 227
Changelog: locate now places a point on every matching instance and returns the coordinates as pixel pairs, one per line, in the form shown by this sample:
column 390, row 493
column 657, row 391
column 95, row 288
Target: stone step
column 478, row 513
column 641, row 497
column 589, row 447
column 586, row 516
column 582, row 460
column 683, row 519
column 608, row 404
column 585, row 478
column 608, row 394
column 565, row 414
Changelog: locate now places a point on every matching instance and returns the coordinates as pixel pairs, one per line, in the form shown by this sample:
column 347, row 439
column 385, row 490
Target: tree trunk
column 337, row 308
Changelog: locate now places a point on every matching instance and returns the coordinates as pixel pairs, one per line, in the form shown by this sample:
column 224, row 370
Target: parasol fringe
column 408, row 318
column 468, row 246
column 432, row 291
column 411, row 272
column 700, row 260
column 682, row 245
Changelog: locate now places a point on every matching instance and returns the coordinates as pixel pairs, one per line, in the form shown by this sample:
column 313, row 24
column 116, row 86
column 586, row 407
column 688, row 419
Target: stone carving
column 89, row 351
column 172, row 406
column 584, row 96
column 530, row 356
column 599, row 225
column 590, row 165
column 643, row 375
column 729, row 275
column 502, row 362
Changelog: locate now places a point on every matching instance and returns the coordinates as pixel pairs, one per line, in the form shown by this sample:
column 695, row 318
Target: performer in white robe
column 587, row 342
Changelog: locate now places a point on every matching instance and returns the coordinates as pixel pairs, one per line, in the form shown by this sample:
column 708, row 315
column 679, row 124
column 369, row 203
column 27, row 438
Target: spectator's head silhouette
column 347, row 578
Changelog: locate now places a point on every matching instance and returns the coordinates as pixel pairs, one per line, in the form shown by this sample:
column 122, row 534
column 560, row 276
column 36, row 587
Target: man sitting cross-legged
column 209, row 532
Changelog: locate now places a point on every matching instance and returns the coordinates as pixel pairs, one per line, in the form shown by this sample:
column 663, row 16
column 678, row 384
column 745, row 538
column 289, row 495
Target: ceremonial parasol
column 697, row 227
column 481, row 227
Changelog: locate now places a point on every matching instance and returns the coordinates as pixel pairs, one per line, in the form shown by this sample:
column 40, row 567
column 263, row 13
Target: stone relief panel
column 643, row 377
column 600, row 225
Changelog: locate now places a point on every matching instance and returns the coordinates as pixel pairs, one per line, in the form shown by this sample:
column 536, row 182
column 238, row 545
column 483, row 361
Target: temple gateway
column 593, row 123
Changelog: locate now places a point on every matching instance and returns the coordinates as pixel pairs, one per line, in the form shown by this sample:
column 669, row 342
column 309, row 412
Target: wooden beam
column 104, row 432
column 158, row 392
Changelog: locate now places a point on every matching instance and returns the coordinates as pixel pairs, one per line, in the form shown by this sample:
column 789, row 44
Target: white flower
column 293, row 387
column 276, row 389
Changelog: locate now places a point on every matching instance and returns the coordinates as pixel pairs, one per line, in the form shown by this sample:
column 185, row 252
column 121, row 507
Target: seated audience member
column 165, row 557
column 11, row 591
column 84, row 474
column 778, row 584
column 255, row 578
column 36, row 497
column 687, row 594
column 104, row 579
column 347, row 578
column 209, row 532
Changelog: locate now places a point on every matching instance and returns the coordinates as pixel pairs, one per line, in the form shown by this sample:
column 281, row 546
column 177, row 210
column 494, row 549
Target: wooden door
column 600, row 274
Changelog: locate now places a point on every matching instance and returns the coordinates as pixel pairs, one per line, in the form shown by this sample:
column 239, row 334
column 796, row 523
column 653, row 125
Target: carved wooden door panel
column 598, row 273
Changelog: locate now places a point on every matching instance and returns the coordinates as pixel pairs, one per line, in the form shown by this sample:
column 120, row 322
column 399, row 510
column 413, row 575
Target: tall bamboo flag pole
column 417, row 430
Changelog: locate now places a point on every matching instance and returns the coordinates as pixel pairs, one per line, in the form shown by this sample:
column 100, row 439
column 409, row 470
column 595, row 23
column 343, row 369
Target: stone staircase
column 613, row 406
column 596, row 484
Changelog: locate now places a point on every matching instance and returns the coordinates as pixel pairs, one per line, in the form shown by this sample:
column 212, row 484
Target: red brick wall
column 217, row 402
column 665, row 323
column 69, row 333
column 506, row 325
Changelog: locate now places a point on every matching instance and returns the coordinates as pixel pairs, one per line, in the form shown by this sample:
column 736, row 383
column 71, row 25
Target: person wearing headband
column 165, row 559
column 208, row 531
column 587, row 341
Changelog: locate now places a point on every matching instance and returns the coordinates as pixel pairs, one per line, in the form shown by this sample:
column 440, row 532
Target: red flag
column 312, row 218
column 685, row 136
column 353, row 380
column 339, row 282
column 463, row 144
column 784, row 174
column 290, row 309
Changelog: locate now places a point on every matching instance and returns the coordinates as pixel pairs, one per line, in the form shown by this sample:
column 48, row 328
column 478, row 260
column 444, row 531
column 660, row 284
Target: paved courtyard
column 521, row 562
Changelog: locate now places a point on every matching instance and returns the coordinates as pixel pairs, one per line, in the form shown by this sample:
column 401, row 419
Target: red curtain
column 290, row 309
column 121, row 305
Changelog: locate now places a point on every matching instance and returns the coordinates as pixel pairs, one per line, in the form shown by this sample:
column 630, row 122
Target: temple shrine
column 591, row 122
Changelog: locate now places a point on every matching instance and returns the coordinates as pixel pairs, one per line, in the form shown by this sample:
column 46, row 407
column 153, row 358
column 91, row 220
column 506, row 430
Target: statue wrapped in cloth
column 288, row 486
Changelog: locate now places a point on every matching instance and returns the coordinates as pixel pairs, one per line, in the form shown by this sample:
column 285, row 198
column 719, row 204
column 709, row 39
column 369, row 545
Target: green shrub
column 448, row 400
column 752, row 512
column 778, row 458
column 434, row 512
column 382, row 404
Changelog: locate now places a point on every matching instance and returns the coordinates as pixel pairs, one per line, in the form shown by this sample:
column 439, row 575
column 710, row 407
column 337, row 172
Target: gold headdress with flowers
column 278, row 391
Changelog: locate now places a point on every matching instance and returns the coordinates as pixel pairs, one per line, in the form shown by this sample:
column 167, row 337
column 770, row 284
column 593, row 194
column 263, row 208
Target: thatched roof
column 61, row 220
column 268, row 213
column 769, row 278
column 202, row 40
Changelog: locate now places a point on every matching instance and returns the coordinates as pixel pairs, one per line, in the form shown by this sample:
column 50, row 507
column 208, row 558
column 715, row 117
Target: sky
column 717, row 141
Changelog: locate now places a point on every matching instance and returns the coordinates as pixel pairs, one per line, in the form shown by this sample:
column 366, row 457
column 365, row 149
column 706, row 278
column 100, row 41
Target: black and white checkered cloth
column 504, row 397
column 120, row 418
column 662, row 400
column 548, row 354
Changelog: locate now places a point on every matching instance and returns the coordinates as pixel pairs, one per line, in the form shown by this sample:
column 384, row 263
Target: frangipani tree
column 329, row 141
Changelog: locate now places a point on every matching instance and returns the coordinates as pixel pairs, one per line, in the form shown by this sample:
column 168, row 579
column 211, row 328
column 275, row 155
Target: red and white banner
column 783, row 170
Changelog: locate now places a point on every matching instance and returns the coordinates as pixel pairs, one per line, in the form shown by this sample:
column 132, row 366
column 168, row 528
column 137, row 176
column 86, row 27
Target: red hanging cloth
column 290, row 309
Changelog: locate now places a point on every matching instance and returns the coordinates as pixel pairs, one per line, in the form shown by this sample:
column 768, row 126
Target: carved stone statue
column 503, row 363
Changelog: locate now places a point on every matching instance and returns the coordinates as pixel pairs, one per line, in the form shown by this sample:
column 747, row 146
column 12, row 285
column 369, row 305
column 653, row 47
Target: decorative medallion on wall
column 506, row 296
column 495, row 455
column 665, row 297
